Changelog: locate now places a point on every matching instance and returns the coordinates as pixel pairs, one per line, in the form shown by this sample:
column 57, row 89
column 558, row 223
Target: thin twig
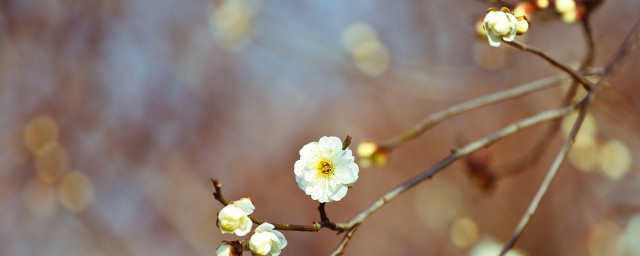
column 532, row 158
column 549, row 178
column 455, row 155
column 629, row 44
column 454, row 110
column 574, row 74
column 346, row 142
column 323, row 214
column 345, row 240
column 315, row 227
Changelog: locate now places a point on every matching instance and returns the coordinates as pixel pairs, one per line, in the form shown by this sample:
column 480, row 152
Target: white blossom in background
column 568, row 10
column 500, row 25
column 234, row 218
column 225, row 249
column 325, row 171
column 489, row 247
column 565, row 5
column 265, row 240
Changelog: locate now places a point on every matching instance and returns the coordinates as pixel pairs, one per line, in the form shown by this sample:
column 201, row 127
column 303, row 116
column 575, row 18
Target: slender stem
column 591, row 47
column 217, row 194
column 524, row 221
column 574, row 74
column 629, row 44
column 532, row 158
column 346, row 142
column 345, row 240
column 323, row 214
column 455, row 155
column 452, row 111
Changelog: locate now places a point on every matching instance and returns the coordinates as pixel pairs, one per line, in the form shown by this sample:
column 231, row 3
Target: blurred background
column 116, row 114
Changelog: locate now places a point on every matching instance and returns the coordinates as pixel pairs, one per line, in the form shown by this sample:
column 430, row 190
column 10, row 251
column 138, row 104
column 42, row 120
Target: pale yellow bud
column 523, row 25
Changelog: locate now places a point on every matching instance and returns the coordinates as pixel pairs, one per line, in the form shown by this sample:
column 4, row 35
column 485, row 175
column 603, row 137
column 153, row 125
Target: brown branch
column 574, row 74
column 217, row 194
column 454, row 156
column 532, row 158
column 628, row 45
column 550, row 176
column 343, row 243
column 463, row 107
column 346, row 142
column 323, row 214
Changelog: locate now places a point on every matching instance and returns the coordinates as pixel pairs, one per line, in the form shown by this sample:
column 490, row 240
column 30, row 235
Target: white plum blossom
column 500, row 25
column 325, row 171
column 225, row 249
column 265, row 240
column 234, row 218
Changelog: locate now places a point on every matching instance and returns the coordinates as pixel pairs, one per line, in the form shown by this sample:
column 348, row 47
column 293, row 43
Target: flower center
column 325, row 168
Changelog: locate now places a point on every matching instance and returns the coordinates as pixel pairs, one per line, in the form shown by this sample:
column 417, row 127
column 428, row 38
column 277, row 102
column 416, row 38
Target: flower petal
column 298, row 167
column 265, row 227
column 309, row 150
column 245, row 205
column 332, row 143
column 244, row 227
column 494, row 40
column 339, row 194
column 281, row 238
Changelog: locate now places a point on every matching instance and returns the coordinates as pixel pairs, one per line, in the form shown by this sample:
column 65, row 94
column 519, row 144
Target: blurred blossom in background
column 115, row 114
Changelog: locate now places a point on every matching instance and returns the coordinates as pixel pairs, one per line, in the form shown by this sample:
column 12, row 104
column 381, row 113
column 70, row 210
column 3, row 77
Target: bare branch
column 345, row 240
column 536, row 153
column 574, row 74
column 550, row 176
column 291, row 227
column 455, row 155
column 452, row 111
column 629, row 44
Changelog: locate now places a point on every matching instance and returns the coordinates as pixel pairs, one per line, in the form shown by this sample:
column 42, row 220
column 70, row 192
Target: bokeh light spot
column 51, row 163
column 40, row 132
column 615, row 159
column 369, row 55
column 603, row 239
column 584, row 155
column 232, row 23
column 464, row 232
column 75, row 191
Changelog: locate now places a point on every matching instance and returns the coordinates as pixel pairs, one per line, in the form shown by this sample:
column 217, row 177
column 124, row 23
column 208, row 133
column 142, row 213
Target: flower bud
column 372, row 154
column 523, row 25
column 265, row 240
column 229, row 249
column 234, row 218
column 500, row 25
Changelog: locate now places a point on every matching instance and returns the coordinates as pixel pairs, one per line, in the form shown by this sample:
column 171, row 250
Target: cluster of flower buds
column 234, row 219
column 502, row 24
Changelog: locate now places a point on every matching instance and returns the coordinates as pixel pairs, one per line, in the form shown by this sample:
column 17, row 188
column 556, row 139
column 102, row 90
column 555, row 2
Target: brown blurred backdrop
column 115, row 114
